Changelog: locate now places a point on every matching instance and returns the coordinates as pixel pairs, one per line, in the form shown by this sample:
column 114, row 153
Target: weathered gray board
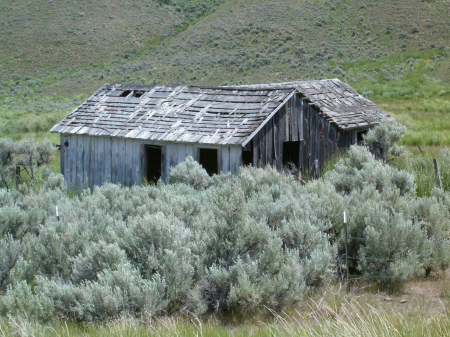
column 299, row 121
column 89, row 161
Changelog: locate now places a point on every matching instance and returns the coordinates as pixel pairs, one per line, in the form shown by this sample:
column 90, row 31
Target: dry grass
column 329, row 312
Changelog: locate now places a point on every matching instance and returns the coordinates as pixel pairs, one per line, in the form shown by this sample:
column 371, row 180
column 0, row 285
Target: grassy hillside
column 395, row 52
column 44, row 36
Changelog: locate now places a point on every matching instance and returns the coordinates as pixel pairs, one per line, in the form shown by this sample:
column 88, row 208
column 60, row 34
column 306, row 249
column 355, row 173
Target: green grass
column 412, row 87
column 422, row 166
column 329, row 313
column 393, row 58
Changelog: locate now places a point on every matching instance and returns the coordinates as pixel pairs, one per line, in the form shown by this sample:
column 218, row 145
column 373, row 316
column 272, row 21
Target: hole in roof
column 138, row 93
column 125, row 93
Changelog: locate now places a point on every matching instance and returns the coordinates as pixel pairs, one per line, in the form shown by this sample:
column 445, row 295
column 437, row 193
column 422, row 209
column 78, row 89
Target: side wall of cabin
column 88, row 161
column 297, row 126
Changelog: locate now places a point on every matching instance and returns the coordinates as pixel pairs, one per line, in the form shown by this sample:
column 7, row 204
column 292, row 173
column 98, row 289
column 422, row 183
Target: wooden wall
column 298, row 121
column 90, row 161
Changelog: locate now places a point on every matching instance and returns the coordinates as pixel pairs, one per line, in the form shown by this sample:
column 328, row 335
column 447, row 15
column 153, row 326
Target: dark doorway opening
column 360, row 136
column 153, row 161
column 247, row 154
column 291, row 155
column 208, row 159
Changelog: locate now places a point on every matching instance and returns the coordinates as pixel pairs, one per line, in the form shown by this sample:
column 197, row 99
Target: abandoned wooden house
column 124, row 133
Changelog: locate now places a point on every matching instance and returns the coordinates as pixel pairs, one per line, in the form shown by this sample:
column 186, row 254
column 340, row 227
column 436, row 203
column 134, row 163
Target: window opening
column 208, row 158
column 125, row 93
column 291, row 155
column 153, row 162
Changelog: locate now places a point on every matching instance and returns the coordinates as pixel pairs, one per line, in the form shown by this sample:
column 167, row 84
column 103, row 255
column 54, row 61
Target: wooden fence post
column 346, row 251
column 438, row 173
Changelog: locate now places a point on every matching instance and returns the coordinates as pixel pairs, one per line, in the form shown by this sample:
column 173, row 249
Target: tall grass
column 346, row 318
column 422, row 166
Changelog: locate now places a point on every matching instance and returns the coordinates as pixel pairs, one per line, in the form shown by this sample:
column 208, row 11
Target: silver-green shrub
column 212, row 244
column 393, row 235
column 10, row 252
column 380, row 139
column 190, row 172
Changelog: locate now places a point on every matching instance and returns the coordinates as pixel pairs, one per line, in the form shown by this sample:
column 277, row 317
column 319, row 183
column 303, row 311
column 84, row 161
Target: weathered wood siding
column 89, row 161
column 299, row 121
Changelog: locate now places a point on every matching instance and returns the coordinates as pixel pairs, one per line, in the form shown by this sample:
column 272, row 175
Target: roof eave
column 249, row 138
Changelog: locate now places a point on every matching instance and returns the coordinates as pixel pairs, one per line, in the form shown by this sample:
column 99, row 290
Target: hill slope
column 52, row 35
column 57, row 53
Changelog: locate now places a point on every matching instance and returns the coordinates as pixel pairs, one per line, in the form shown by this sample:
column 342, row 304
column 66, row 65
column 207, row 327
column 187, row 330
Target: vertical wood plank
column 100, row 160
column 275, row 141
column 282, row 124
column 287, row 122
column 80, row 160
column 269, row 143
column 294, row 117
column 189, row 150
column 93, row 162
column 280, row 139
column 219, row 159
column 115, row 160
column 164, row 164
column 61, row 152
column 108, row 159
column 86, row 160
column 66, row 160
column 129, row 161
column 255, row 144
column 181, row 153
column 73, row 160
column 225, row 167
column 166, row 153
column 300, row 119
column 262, row 147
column 311, row 138
column 173, row 154
column 141, row 161
column 305, row 137
column 235, row 159
column 135, row 160
column 123, row 160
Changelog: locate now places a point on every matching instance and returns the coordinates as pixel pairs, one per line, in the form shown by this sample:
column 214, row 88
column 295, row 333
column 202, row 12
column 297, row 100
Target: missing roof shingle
column 138, row 93
column 126, row 93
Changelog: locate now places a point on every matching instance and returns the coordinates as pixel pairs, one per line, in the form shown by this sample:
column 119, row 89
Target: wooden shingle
column 212, row 115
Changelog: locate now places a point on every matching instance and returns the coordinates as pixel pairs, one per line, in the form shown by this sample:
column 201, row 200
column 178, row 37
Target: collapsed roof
column 211, row 115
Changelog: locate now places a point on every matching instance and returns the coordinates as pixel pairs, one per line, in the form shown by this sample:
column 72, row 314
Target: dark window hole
column 208, row 158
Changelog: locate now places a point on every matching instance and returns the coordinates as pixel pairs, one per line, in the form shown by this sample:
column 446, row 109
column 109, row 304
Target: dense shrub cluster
column 394, row 234
column 213, row 244
column 203, row 244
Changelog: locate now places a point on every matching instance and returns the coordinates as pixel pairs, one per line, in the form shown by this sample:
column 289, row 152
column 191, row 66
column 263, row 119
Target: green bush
column 213, row 244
